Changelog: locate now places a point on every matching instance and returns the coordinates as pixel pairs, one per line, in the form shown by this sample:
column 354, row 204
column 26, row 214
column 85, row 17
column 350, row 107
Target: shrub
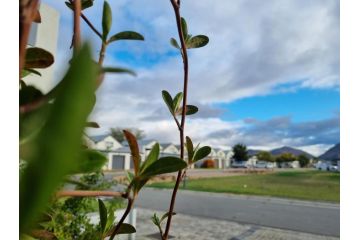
column 209, row 163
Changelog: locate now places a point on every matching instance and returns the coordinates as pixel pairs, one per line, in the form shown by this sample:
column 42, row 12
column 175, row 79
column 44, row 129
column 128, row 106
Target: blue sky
column 268, row 77
column 301, row 105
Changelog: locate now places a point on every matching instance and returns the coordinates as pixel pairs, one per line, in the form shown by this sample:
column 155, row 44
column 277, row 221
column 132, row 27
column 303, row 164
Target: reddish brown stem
column 84, row 193
column 176, row 8
column 28, row 10
column 77, row 32
column 127, row 211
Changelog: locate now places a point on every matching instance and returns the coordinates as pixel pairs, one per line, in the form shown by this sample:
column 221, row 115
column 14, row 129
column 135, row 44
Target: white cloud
column 254, row 47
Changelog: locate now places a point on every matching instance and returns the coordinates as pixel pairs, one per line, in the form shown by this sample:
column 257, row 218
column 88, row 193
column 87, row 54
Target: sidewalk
column 187, row 227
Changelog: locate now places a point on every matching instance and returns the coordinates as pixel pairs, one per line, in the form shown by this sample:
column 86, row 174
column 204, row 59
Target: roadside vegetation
column 305, row 185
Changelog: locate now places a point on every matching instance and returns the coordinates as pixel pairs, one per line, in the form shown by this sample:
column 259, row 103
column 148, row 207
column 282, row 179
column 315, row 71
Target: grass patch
column 305, row 185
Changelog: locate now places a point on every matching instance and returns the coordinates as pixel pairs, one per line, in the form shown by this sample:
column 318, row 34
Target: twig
column 85, row 193
column 91, row 25
column 176, row 8
column 127, row 211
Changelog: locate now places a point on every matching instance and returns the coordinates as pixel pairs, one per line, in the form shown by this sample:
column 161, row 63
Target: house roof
column 99, row 138
column 166, row 145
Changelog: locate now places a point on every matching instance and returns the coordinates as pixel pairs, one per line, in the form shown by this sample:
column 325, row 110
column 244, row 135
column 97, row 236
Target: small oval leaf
column 84, row 4
column 177, row 101
column 92, row 125
column 38, row 58
column 184, row 27
column 118, row 70
column 197, row 41
column 174, row 43
column 106, row 20
column 201, row 153
column 152, row 157
column 189, row 146
column 164, row 165
column 191, row 109
column 126, row 35
column 168, row 100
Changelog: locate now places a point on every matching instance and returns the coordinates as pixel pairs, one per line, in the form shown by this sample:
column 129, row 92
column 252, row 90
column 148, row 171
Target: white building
column 44, row 35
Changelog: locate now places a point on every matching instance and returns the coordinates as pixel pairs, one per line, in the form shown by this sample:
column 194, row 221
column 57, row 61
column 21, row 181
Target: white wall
column 101, row 145
column 44, row 35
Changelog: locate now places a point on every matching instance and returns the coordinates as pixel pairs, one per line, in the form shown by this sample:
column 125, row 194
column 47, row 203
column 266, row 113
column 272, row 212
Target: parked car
column 241, row 164
column 334, row 167
column 261, row 164
column 322, row 166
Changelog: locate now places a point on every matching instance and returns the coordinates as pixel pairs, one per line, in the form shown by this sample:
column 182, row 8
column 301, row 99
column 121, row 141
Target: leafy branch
column 186, row 42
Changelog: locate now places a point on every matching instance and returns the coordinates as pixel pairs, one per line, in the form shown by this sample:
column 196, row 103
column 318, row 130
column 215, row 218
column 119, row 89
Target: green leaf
column 132, row 142
column 55, row 150
column 92, row 125
column 106, row 20
column 189, row 146
column 118, row 70
column 103, row 215
column 27, row 71
column 38, row 58
column 127, row 35
column 197, row 41
column 84, row 4
column 152, row 157
column 174, row 43
column 164, row 165
column 177, row 101
column 130, row 176
column 156, row 220
column 110, row 220
column 201, row 153
column 126, row 229
column 168, row 100
column 166, row 216
column 184, row 28
column 191, row 109
column 91, row 161
column 29, row 94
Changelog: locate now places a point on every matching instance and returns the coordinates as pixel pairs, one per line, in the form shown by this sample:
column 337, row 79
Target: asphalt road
column 303, row 216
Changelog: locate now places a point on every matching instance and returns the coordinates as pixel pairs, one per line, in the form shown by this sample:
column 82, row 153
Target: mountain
column 252, row 152
column 332, row 154
column 291, row 150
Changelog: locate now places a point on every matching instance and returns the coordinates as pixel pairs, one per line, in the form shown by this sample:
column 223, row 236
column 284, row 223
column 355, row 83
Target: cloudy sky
column 269, row 76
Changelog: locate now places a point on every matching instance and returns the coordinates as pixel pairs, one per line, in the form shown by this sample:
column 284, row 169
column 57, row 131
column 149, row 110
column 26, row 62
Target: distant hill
column 252, row 152
column 332, row 154
column 291, row 150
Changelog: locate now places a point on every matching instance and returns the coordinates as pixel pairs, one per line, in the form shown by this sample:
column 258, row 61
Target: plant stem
column 85, row 193
column 77, row 33
column 176, row 8
column 27, row 11
column 100, row 62
column 90, row 25
column 127, row 211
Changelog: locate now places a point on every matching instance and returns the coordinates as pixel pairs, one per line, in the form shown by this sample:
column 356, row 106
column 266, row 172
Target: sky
column 269, row 76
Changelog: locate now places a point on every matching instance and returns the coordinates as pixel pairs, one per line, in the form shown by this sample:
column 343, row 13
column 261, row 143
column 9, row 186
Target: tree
column 265, row 156
column 303, row 160
column 240, row 152
column 117, row 133
column 285, row 158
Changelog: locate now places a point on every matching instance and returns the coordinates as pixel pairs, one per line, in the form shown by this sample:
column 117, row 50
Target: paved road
column 303, row 216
